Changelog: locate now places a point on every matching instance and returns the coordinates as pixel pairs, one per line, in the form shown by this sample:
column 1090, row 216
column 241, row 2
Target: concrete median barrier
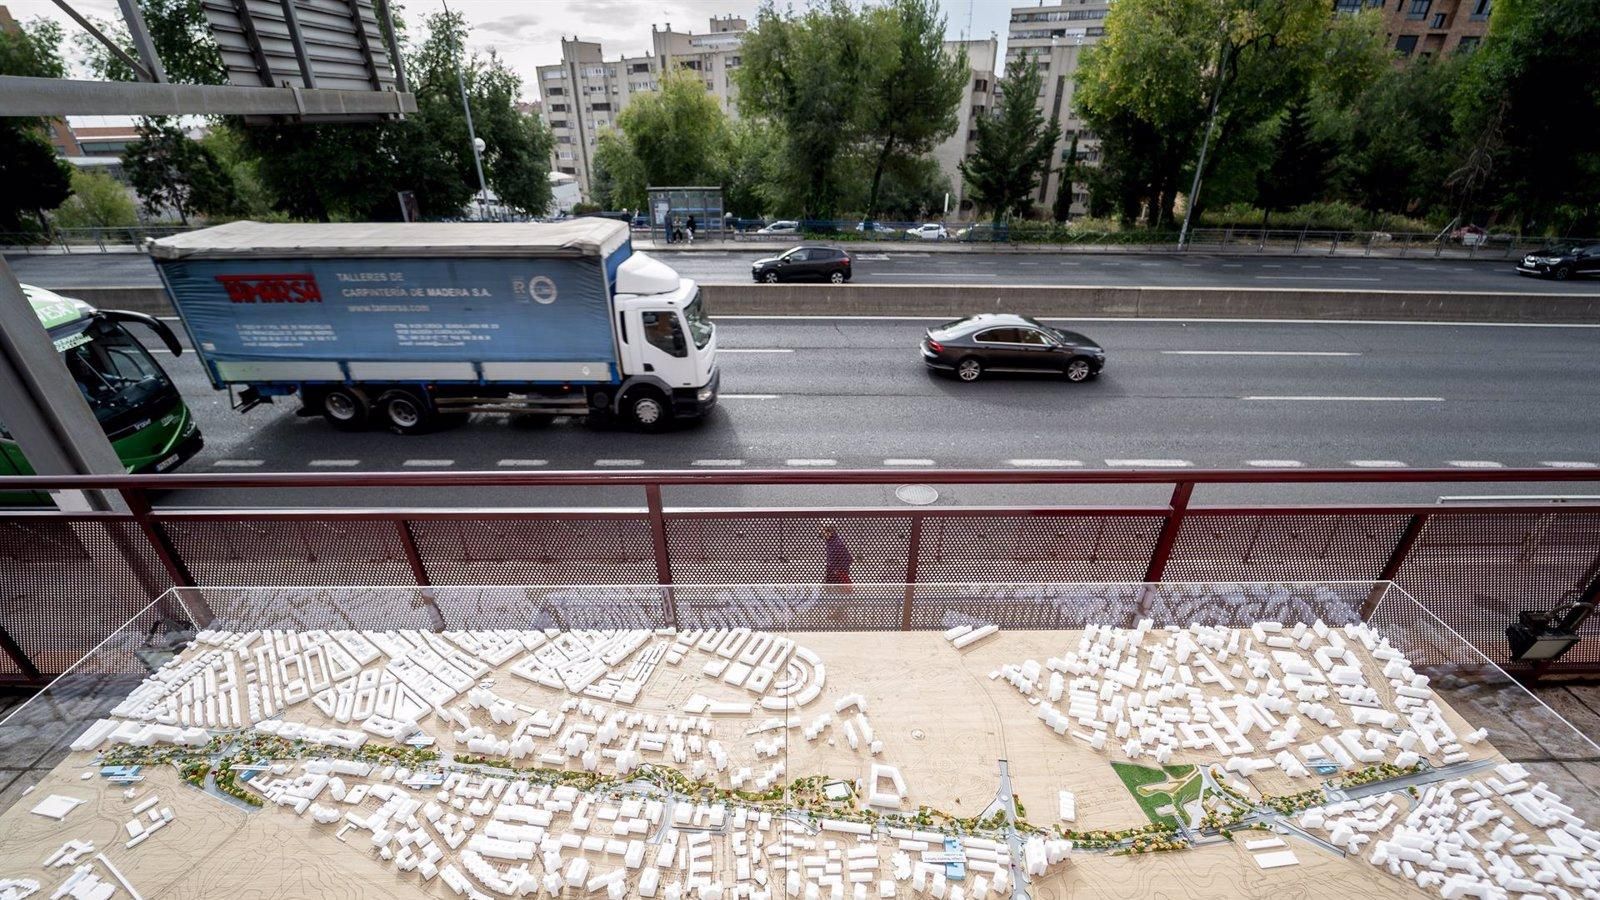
column 1072, row 302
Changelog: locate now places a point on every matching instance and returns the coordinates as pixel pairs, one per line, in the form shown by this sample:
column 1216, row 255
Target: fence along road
column 73, row 579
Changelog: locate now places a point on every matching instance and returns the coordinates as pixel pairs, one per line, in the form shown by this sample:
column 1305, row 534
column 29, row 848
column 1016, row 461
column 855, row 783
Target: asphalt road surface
column 977, row 269
column 854, row 394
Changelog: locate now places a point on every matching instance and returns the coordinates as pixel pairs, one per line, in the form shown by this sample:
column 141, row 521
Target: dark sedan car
column 1562, row 263
column 803, row 264
column 978, row 345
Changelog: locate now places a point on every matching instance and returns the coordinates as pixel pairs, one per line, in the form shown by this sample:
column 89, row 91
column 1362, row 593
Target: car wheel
column 345, row 409
column 969, row 369
column 1078, row 369
column 837, row 277
column 646, row 409
column 405, row 413
column 1563, row 273
column 770, row 278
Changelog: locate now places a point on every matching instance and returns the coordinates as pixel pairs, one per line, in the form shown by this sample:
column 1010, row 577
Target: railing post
column 171, row 560
column 1397, row 558
column 1169, row 531
column 14, row 650
column 408, row 543
column 913, row 556
column 658, row 536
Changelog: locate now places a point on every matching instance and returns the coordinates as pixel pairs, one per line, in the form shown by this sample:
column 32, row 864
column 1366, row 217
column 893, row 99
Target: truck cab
column 667, row 341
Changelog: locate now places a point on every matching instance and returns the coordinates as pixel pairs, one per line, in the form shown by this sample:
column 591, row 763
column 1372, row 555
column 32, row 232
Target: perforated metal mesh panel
column 67, row 584
column 784, row 550
column 1283, row 547
column 1070, row 548
column 536, row 551
column 308, row 552
column 1476, row 572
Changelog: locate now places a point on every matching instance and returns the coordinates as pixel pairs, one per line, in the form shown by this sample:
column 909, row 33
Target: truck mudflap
column 692, row 403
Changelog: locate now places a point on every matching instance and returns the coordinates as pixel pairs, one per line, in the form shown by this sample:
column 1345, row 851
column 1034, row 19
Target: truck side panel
column 427, row 319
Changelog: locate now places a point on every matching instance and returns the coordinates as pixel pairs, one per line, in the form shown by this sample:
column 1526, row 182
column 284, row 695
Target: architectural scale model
column 731, row 763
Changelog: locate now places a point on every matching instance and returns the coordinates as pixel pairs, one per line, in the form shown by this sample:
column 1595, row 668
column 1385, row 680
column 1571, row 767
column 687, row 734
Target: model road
column 853, row 393
column 932, row 267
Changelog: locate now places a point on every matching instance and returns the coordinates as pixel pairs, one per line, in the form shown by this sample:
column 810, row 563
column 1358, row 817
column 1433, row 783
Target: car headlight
column 704, row 394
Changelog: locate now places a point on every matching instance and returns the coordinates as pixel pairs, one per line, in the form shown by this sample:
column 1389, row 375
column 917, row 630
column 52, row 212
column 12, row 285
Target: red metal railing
column 69, row 579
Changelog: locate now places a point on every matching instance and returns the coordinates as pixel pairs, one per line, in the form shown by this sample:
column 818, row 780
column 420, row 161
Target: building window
column 1347, row 6
column 1419, row 9
column 1438, row 20
column 555, row 92
column 558, row 123
column 1468, row 44
column 1480, row 9
column 568, row 170
column 1406, row 44
column 980, row 84
column 594, row 72
column 601, row 107
column 978, row 111
column 733, row 62
column 554, row 75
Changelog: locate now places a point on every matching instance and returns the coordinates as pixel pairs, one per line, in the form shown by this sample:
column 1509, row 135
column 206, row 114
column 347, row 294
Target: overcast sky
column 527, row 33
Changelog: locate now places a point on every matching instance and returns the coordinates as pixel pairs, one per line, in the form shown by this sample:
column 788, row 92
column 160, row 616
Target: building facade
column 1054, row 37
column 582, row 95
column 982, row 59
column 1418, row 29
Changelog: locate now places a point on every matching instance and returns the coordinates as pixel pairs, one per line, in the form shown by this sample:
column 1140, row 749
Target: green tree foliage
column 803, row 72
column 1297, row 172
column 172, row 172
column 915, row 89
column 679, row 134
column 1013, row 148
column 97, row 201
column 912, row 189
column 753, row 168
column 34, row 179
column 618, row 180
column 1400, row 142
column 178, row 31
column 1069, row 174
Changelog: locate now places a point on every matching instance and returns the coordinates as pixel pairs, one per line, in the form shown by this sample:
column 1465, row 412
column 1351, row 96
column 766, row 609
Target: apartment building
column 1418, row 29
column 582, row 95
column 1054, row 36
column 983, row 58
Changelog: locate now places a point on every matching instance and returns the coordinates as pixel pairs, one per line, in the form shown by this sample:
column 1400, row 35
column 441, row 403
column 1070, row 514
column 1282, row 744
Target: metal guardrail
column 69, row 579
column 87, row 240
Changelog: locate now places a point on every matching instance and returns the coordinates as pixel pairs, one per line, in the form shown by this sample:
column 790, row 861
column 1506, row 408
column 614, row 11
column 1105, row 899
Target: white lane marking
column 1271, row 266
column 1257, row 353
column 1027, row 263
column 1128, row 320
column 1315, row 277
column 811, row 462
column 617, row 463
column 238, row 463
column 747, row 396
column 422, row 463
column 1350, row 399
column 520, row 463
column 1562, row 464
column 947, row 275
column 1044, row 463
column 752, row 350
column 719, row 463
column 157, row 350
column 908, row 462
column 1233, row 265
column 335, row 463
column 1474, row 464
column 1274, row 463
column 1150, row 463
column 1377, row 463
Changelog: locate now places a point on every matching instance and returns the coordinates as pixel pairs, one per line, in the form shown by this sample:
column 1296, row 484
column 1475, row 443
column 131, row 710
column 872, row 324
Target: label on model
column 479, row 310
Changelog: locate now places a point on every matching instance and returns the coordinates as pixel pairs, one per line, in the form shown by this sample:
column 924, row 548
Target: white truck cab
column 667, row 343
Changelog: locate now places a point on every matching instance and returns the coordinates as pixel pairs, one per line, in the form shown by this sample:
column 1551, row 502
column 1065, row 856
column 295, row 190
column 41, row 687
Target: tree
column 1013, row 148
column 171, row 171
column 618, row 180
column 97, row 201
column 753, row 168
column 678, row 134
column 1297, row 172
column 804, row 72
column 1401, row 142
column 915, row 90
column 181, row 38
column 1069, row 173
column 35, row 180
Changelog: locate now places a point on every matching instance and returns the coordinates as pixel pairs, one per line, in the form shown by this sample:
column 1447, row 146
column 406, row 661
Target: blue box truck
column 414, row 325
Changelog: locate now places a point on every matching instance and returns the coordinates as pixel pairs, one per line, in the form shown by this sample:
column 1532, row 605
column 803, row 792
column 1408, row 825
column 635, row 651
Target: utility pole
column 1205, row 145
column 472, row 134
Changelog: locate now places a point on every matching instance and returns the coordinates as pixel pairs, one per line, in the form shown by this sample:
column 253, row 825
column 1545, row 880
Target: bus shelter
column 670, row 209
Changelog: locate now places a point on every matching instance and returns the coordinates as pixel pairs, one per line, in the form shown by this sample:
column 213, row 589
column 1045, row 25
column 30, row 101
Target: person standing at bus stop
column 836, row 560
column 689, row 227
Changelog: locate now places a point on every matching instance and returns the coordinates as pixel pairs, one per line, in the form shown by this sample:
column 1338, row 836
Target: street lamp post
column 1211, row 121
column 477, row 143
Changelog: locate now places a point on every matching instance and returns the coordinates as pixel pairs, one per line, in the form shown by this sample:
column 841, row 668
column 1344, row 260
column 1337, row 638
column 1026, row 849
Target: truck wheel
column 406, row 413
column 646, row 409
column 345, row 409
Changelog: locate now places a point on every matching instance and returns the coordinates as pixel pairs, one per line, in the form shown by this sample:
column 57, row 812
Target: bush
column 97, row 201
column 1319, row 216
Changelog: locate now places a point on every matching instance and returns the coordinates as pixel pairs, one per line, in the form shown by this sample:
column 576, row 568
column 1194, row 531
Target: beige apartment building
column 982, row 59
column 582, row 95
column 1055, row 36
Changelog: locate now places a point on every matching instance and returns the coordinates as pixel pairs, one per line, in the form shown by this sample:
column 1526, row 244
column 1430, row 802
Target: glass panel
column 662, row 330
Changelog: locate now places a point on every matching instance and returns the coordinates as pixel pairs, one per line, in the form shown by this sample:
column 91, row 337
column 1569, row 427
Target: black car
column 1562, row 263
column 977, row 345
column 803, row 264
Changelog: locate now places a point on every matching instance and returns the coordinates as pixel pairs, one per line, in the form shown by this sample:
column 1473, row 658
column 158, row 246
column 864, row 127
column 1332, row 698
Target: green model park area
column 1161, row 792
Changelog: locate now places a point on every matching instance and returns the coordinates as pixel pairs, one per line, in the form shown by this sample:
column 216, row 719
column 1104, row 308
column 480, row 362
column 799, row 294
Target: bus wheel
column 406, row 413
column 345, row 409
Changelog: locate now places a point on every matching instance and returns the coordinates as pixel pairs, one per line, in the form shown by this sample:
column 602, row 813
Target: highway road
column 978, row 269
column 802, row 393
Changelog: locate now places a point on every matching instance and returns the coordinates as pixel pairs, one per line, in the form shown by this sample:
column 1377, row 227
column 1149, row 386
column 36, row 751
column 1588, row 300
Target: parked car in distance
column 803, row 264
column 928, row 231
column 870, row 227
column 1562, row 263
column 976, row 346
column 984, row 231
column 782, row 226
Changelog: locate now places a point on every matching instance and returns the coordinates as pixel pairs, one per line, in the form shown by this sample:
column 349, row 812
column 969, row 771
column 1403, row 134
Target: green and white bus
column 147, row 421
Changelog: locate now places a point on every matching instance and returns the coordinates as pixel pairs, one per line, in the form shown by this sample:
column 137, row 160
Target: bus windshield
column 113, row 370
column 700, row 326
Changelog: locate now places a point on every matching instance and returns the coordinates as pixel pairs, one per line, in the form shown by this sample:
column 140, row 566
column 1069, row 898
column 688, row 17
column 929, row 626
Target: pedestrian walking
column 836, row 559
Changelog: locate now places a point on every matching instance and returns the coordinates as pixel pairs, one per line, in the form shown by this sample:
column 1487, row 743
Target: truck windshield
column 700, row 326
column 113, row 370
